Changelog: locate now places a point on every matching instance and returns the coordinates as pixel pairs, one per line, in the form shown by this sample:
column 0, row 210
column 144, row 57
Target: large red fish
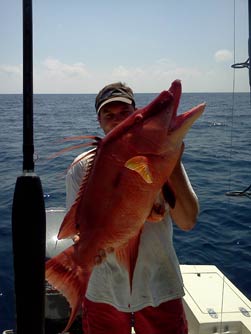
column 131, row 165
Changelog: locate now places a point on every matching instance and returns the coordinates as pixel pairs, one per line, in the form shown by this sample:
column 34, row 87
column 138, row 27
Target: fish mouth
column 176, row 91
column 185, row 120
column 167, row 102
column 179, row 125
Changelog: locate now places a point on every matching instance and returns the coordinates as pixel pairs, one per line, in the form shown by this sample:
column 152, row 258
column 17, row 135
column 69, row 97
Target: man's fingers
column 102, row 253
column 100, row 257
column 75, row 238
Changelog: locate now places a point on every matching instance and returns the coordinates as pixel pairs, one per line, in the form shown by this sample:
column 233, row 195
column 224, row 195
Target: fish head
column 156, row 128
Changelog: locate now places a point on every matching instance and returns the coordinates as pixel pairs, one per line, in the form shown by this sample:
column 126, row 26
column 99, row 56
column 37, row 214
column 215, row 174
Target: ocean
column 217, row 159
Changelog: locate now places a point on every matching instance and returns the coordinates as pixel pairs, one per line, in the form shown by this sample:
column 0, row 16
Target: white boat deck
column 212, row 303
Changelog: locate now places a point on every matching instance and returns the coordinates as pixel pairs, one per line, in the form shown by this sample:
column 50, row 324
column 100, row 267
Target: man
column 154, row 306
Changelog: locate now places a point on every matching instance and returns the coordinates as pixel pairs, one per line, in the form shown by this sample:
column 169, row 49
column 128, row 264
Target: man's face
column 113, row 113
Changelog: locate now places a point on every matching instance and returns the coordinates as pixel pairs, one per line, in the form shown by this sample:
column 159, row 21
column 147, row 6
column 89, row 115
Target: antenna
column 246, row 64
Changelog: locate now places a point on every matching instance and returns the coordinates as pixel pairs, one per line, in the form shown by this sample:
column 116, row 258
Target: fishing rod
column 28, row 210
column 246, row 64
column 246, row 192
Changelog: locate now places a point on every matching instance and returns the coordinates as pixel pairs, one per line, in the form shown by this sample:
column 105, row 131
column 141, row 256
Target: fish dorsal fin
column 128, row 255
column 68, row 227
column 140, row 165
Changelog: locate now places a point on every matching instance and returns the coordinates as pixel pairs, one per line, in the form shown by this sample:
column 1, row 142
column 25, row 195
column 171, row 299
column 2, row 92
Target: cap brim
column 113, row 99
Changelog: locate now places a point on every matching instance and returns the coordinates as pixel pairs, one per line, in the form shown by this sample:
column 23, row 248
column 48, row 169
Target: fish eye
column 138, row 118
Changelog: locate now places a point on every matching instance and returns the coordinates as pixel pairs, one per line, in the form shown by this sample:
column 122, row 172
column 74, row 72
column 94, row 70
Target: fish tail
column 67, row 277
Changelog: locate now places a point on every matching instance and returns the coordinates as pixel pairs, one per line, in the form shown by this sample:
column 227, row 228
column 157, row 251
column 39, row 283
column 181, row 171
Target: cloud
column 123, row 72
column 164, row 68
column 120, row 71
column 56, row 67
column 11, row 78
column 11, row 69
column 155, row 76
column 223, row 55
column 54, row 76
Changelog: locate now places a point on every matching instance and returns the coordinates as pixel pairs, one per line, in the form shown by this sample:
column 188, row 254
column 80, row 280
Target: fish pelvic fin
column 128, row 255
column 68, row 227
column 71, row 280
column 140, row 165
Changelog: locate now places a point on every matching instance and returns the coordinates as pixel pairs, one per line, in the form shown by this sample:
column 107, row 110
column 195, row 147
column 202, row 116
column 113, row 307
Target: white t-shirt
column 157, row 276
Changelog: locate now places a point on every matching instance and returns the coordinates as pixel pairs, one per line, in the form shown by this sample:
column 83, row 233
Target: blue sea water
column 217, row 158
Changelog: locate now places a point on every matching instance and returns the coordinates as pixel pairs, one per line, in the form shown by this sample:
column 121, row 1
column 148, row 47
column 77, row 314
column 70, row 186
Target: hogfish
column 130, row 166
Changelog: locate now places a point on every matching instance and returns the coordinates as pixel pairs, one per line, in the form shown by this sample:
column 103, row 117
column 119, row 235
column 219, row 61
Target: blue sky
column 80, row 45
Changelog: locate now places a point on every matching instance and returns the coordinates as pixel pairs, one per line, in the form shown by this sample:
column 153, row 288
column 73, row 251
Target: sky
column 81, row 45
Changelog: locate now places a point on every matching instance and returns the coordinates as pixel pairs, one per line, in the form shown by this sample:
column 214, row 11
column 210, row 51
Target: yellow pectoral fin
column 139, row 164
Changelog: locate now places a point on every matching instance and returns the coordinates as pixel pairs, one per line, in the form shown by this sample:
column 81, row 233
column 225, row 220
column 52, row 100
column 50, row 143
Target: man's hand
column 159, row 209
column 102, row 254
column 75, row 238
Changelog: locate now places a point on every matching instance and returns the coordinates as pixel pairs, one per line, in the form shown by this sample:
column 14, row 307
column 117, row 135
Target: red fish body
column 130, row 166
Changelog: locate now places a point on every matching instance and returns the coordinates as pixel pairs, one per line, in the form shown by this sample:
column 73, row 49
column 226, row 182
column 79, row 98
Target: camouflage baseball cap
column 114, row 92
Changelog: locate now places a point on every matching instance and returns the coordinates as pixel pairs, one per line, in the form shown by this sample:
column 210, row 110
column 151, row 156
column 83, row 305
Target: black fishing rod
column 247, row 64
column 246, row 192
column 28, row 210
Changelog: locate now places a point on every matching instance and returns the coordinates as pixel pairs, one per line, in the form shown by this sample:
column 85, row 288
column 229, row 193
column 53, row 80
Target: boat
column 213, row 304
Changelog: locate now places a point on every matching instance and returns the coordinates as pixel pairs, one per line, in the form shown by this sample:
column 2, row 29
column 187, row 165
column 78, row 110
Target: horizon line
column 205, row 92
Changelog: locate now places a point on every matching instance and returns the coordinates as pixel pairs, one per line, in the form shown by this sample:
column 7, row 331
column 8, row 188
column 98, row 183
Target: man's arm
column 186, row 207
